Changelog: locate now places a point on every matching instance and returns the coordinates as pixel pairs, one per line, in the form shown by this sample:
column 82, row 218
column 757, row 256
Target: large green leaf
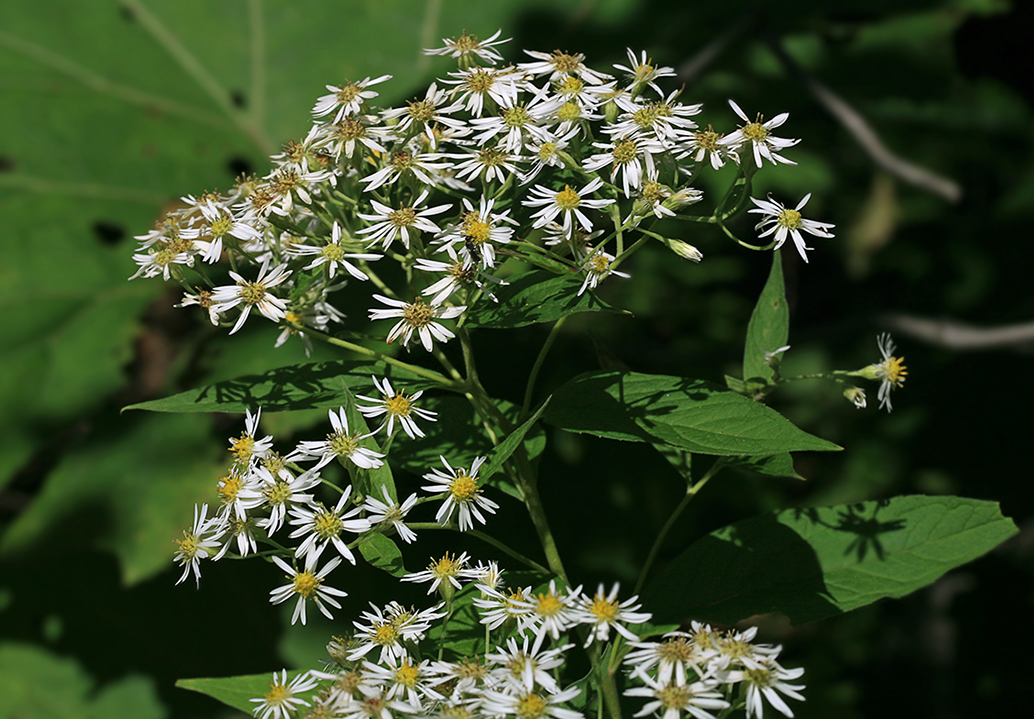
column 313, row 385
column 769, row 325
column 691, row 414
column 383, row 553
column 130, row 502
column 814, row 563
column 238, row 691
column 35, row 683
column 536, row 296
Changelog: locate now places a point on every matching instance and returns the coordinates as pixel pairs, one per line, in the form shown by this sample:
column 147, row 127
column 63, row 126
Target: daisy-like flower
column 890, row 370
column 498, row 606
column 642, row 72
column 372, row 702
column 667, row 121
column 476, row 84
column 389, row 224
column 276, row 491
column 229, row 490
column 346, row 99
column 241, row 532
column 488, row 576
column 551, row 612
column 406, row 681
column 160, row 261
column 461, row 491
column 424, row 114
column 246, row 449
column 201, row 541
column 559, row 65
column 402, row 163
column 390, row 628
column 396, row 407
column 632, row 156
column 477, row 232
column 706, row 144
column 217, row 223
column 520, row 666
column 783, row 221
column 567, row 201
column 333, row 255
column 391, row 512
column 321, row 526
column 528, row 701
column 603, row 611
column 416, row 316
column 596, row 268
column 285, row 185
column 491, row 162
column 445, row 571
column 519, row 124
column 767, row 681
column 344, row 136
column 283, row 700
column 672, row 658
column 307, row 584
column 466, row 47
column 672, row 701
column 339, row 444
column 546, row 153
column 246, row 295
column 457, row 274
column 759, row 135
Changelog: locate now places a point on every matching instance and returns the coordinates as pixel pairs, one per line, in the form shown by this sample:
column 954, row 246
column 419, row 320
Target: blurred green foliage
column 111, row 110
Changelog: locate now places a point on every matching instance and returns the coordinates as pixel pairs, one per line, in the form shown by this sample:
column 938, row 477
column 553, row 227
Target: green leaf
column 536, row 296
column 383, row 553
column 769, row 325
column 773, row 465
column 238, row 691
column 135, row 492
column 810, row 564
column 314, row 385
column 691, row 414
column 35, row 683
column 366, row 481
column 498, row 456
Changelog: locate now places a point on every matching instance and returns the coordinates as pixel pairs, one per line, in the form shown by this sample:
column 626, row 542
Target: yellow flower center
column 445, row 567
column 790, row 219
column 333, row 252
column 407, row 675
column 569, row 111
column 349, row 129
column 475, row 229
column 624, row 152
column 277, row 695
column 421, row 110
column 417, row 315
column 402, row 160
column 464, row 489
column 570, row 85
column 341, row 444
column 229, row 487
column 565, row 62
column 491, row 156
column 278, row 494
column 348, row 93
column 674, row 696
column 479, row 80
column 894, row 370
column 755, row 132
column 516, row 116
column 306, row 584
column 242, row 447
column 251, row 293
column 326, row 524
column 549, row 605
column 707, row 139
column 398, row 405
column 188, row 546
column 531, row 706
column 568, row 199
column 465, row 43
column 221, row 226
column 163, row 257
column 385, row 634
column 603, row 610
column 676, row 650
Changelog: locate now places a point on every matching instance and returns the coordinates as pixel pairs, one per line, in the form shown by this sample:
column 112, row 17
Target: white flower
column 397, row 407
column 767, row 680
column 673, row 657
column 461, row 491
column 344, row 136
column 447, row 569
column 282, row 700
column 160, row 261
column 346, row 99
column 527, row 701
column 560, row 65
column 568, row 201
column 491, row 162
column 422, row 166
column 519, row 122
column 551, row 612
column 198, row 543
column 890, row 371
column 390, row 628
column 321, row 526
column 416, row 316
column 252, row 294
column 596, row 268
column 391, row 512
column 546, row 153
column 670, row 701
column 277, row 492
column 333, row 255
column 783, row 222
column 464, row 46
column 520, row 666
column 498, row 607
column 477, row 232
column 246, row 449
column 603, row 611
column 308, row 585
column 217, row 223
column 406, row 681
column 759, row 135
column 632, row 156
column 457, row 274
column 707, row 144
column 477, row 83
column 642, row 72
column 340, row 443
column 425, row 114
column 390, row 224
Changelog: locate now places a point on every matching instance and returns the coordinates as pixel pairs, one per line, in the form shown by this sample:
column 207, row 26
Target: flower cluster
column 546, row 162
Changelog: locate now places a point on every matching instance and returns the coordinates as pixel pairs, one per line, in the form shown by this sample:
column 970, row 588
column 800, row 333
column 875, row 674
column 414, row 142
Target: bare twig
column 863, row 132
column 692, row 68
column 959, row 336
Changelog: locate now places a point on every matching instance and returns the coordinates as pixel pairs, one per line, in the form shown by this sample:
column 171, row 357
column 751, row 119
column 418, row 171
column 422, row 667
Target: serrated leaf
column 536, row 296
column 769, row 325
column 383, row 553
column 238, row 691
column 314, row 385
column 694, row 415
column 810, row 564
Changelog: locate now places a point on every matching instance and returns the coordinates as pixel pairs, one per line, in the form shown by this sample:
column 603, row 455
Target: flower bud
column 856, row 396
column 685, row 250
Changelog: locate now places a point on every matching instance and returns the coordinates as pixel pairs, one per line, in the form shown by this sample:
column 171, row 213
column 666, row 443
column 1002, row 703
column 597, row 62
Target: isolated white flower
column 282, row 700
column 246, row 295
column 461, row 491
column 567, row 201
column 395, row 406
column 759, row 135
column 346, row 99
column 339, row 444
column 308, row 585
column 416, row 316
column 783, row 221
column 333, row 255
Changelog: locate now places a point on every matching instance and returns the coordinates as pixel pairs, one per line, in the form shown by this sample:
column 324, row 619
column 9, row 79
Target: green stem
column 425, row 373
column 691, row 492
column 533, row 377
